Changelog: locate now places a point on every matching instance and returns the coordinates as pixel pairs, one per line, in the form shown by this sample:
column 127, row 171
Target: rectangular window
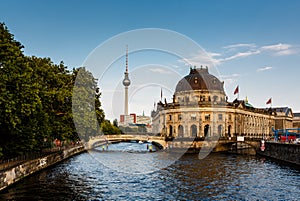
column 229, row 117
column 193, row 117
column 179, row 117
column 170, row 117
column 220, row 116
column 207, row 117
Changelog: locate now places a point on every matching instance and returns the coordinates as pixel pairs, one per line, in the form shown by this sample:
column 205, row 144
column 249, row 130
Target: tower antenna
column 126, row 58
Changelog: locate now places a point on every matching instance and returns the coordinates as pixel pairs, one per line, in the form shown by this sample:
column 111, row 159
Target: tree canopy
column 36, row 99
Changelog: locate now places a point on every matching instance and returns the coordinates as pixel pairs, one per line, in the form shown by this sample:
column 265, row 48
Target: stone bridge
column 103, row 139
column 222, row 145
column 233, row 145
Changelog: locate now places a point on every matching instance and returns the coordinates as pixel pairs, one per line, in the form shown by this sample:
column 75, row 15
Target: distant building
column 283, row 117
column 200, row 108
column 296, row 120
column 143, row 120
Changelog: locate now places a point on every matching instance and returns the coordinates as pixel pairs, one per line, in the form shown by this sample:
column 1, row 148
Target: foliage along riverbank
column 36, row 100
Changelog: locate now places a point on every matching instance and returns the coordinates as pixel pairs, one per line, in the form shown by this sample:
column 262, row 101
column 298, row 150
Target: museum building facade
column 201, row 108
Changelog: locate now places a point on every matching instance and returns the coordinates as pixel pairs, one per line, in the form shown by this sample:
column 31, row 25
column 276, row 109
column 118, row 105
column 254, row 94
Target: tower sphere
column 126, row 82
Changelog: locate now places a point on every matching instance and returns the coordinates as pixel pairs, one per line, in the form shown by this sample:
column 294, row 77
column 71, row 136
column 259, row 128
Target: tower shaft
column 126, row 101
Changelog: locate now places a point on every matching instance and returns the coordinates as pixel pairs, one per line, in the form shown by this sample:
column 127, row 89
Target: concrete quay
column 16, row 173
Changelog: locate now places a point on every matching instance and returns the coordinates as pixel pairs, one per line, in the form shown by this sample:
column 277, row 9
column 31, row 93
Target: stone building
column 296, row 120
column 200, row 108
column 283, row 117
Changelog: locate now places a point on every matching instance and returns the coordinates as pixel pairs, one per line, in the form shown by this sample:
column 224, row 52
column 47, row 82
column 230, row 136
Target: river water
column 217, row 177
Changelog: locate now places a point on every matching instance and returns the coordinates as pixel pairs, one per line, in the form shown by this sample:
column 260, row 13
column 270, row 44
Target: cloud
column 240, row 50
column 160, row 70
column 230, row 79
column 280, row 49
column 235, row 75
column 214, row 54
column 240, row 45
column 199, row 59
column 241, row 55
column 264, row 68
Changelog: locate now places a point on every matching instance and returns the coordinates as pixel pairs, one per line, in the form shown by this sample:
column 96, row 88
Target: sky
column 251, row 44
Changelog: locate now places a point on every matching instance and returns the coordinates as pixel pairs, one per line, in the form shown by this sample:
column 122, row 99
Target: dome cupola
column 199, row 79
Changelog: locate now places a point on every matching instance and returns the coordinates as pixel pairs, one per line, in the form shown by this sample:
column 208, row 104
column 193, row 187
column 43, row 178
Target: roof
column 199, row 79
column 297, row 114
column 285, row 110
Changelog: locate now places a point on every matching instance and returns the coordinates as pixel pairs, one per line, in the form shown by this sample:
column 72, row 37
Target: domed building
column 200, row 108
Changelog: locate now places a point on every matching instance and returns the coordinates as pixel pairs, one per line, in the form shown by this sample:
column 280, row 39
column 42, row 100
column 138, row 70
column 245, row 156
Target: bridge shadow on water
column 129, row 147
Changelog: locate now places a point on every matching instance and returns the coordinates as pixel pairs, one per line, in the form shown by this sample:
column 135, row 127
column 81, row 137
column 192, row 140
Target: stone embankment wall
column 284, row 152
column 12, row 175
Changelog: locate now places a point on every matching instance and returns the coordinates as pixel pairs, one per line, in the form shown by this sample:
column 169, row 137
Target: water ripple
column 217, row 177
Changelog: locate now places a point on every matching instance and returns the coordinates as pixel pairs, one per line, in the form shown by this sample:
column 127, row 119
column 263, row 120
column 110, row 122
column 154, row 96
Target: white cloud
column 241, row 55
column 230, row 79
column 214, row 54
column 280, row 49
column 286, row 52
column 235, row 75
column 160, row 70
column 239, row 45
column 202, row 59
column 264, row 68
column 240, row 50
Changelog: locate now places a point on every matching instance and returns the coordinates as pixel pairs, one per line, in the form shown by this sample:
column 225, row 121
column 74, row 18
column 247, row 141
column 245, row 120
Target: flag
column 269, row 101
column 236, row 91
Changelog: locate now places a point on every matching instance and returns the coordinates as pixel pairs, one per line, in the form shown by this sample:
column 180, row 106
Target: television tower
column 126, row 83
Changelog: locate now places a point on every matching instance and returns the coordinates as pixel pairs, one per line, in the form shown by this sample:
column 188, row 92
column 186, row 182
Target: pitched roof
column 284, row 110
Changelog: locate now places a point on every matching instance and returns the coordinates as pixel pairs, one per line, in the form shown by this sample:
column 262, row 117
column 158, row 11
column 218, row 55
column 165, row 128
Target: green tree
column 115, row 123
column 87, row 112
column 108, row 128
column 39, row 100
column 19, row 100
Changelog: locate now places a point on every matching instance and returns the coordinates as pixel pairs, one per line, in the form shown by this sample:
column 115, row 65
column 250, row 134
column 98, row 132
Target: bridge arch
column 104, row 139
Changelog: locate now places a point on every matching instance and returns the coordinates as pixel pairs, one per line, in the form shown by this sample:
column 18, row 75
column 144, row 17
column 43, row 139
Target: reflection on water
column 134, row 158
column 217, row 177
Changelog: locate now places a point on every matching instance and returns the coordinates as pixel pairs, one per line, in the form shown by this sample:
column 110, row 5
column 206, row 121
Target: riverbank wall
column 288, row 153
column 14, row 174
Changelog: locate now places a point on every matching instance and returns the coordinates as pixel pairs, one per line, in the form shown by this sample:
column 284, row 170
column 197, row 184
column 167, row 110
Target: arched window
column 220, row 128
column 229, row 131
column 206, row 130
column 170, row 131
column 180, row 131
column 194, row 130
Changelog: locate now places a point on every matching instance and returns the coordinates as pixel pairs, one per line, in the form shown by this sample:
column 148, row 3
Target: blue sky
column 253, row 44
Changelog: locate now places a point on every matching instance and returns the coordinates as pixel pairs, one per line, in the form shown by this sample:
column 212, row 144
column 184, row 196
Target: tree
column 108, row 128
column 39, row 100
column 19, row 100
column 86, row 106
column 115, row 123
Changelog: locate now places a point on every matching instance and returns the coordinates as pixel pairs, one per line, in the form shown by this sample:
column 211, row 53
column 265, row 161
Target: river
column 96, row 176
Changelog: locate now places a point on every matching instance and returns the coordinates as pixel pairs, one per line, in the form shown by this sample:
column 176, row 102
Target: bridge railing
column 122, row 137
